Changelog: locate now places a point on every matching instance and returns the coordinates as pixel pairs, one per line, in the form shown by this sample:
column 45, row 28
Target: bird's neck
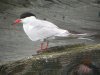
column 28, row 20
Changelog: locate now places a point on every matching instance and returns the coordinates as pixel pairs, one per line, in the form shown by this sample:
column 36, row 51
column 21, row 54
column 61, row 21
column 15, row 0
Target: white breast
column 31, row 32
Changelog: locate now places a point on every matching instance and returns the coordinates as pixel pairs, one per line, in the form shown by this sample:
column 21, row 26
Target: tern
column 42, row 30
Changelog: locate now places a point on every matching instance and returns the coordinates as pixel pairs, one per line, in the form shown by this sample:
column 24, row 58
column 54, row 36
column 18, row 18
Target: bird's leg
column 47, row 43
column 42, row 46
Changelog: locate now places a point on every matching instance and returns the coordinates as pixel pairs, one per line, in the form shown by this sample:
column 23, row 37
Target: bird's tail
column 78, row 35
column 81, row 36
column 67, row 34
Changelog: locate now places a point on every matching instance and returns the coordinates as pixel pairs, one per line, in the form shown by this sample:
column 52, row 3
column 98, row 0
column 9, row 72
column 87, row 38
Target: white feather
column 39, row 29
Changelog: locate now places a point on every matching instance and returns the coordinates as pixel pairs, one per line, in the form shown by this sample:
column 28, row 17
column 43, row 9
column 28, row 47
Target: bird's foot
column 41, row 50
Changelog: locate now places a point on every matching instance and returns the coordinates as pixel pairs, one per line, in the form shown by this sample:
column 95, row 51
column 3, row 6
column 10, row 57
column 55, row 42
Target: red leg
column 41, row 46
column 47, row 45
column 43, row 49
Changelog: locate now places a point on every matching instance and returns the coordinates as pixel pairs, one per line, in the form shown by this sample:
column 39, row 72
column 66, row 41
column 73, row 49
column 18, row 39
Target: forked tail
column 81, row 36
column 67, row 34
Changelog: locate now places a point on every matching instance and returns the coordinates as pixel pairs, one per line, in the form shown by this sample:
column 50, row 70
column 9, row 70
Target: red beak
column 17, row 21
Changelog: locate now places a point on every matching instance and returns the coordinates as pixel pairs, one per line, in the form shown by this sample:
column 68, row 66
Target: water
column 77, row 18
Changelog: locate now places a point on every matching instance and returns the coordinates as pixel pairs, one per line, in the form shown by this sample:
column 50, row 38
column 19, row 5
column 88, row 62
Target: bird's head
column 24, row 18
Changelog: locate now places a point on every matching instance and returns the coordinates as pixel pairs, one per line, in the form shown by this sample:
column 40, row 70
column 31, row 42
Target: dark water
column 79, row 16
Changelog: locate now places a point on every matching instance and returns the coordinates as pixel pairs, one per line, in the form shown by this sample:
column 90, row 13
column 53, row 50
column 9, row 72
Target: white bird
column 42, row 30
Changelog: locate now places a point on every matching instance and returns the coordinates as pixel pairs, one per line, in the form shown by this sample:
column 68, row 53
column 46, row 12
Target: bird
column 42, row 30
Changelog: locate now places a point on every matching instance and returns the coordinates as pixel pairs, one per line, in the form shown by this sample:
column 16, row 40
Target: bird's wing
column 42, row 29
column 43, row 23
column 43, row 33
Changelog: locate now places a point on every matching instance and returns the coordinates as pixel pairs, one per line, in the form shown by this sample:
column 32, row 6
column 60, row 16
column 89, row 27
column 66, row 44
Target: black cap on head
column 26, row 14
